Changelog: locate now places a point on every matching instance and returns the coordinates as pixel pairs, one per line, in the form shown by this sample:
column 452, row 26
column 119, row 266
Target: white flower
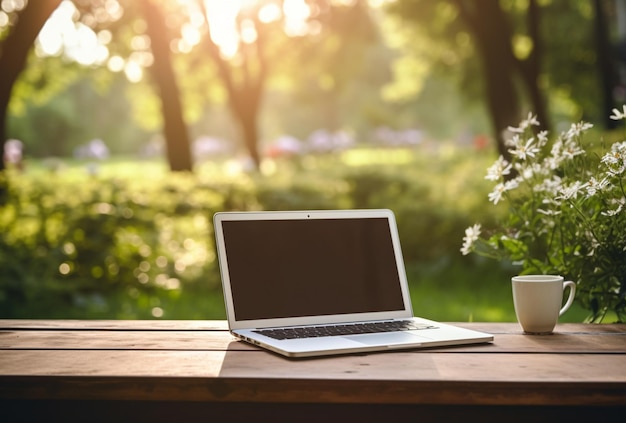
column 549, row 212
column 543, row 138
column 498, row 191
column 593, row 186
column 528, row 171
column 523, row 151
column 578, row 128
column 552, row 162
column 611, row 158
column 619, row 146
column 557, row 147
column 615, row 160
column 515, row 130
column 531, row 120
column 613, row 212
column 571, row 149
column 499, row 169
column 496, row 195
column 617, row 115
column 525, row 172
column 551, row 185
column 620, row 206
column 570, row 191
column 511, row 184
column 514, row 141
column 471, row 236
column 551, row 208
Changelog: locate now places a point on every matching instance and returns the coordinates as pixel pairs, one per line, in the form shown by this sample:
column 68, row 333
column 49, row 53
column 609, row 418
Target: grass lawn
column 453, row 292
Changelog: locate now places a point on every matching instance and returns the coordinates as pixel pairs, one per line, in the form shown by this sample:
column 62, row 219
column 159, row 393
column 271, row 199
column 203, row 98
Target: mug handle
column 570, row 299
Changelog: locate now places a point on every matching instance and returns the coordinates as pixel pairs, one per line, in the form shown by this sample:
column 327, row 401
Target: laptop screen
column 310, row 267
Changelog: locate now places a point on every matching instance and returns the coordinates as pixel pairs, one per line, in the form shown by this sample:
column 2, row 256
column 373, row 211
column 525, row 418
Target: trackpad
column 387, row 338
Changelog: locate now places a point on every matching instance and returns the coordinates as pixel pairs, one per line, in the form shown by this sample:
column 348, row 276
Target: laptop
column 317, row 283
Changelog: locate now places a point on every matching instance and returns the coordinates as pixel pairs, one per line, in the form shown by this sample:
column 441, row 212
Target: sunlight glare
column 222, row 20
column 378, row 3
column 116, row 64
column 269, row 13
column 113, row 9
column 61, row 34
column 140, row 42
column 133, row 71
column 11, row 6
column 248, row 32
column 190, row 34
column 296, row 14
column 105, row 37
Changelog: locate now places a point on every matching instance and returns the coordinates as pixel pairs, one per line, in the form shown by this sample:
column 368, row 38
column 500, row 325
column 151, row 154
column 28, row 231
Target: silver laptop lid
column 310, row 267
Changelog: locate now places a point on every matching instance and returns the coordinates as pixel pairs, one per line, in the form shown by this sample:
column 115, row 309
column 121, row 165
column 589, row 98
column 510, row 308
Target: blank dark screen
column 294, row 268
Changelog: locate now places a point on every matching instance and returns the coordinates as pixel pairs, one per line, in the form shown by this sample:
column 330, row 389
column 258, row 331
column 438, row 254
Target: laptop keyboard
column 343, row 329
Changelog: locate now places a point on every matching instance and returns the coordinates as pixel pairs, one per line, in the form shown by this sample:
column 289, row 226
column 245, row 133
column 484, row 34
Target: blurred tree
column 115, row 22
column 14, row 51
column 507, row 63
column 346, row 49
column 606, row 62
column 527, row 51
column 140, row 38
column 320, row 41
column 579, row 60
column 174, row 127
column 244, row 75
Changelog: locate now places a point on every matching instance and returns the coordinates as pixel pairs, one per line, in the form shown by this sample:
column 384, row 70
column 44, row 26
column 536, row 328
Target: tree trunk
column 530, row 68
column 14, row 52
column 245, row 101
column 606, row 65
column 244, row 93
column 250, row 137
column 174, row 128
column 493, row 35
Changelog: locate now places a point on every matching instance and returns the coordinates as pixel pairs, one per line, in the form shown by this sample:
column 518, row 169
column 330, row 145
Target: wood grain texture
column 200, row 361
column 200, row 336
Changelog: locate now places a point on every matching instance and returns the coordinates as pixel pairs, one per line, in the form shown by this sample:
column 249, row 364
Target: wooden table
column 149, row 371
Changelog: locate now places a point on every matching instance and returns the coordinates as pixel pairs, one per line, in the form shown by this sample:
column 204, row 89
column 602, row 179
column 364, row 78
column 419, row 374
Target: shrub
column 134, row 244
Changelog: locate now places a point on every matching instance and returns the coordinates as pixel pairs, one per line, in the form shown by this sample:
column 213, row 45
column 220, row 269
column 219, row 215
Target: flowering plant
column 567, row 213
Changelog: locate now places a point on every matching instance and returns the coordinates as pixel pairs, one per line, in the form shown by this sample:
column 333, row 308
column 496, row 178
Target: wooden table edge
column 312, row 391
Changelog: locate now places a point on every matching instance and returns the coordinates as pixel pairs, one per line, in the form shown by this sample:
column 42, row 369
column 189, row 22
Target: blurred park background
column 126, row 124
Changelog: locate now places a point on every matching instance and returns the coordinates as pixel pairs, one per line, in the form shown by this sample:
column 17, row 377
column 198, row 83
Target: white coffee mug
column 537, row 300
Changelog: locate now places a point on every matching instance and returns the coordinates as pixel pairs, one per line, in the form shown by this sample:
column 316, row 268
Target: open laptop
column 314, row 283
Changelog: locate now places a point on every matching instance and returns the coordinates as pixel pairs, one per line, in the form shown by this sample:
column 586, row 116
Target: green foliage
column 136, row 242
column 73, row 117
column 438, row 41
column 70, row 245
column 566, row 214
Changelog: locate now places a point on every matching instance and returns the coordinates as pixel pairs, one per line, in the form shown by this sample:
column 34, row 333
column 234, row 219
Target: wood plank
column 9, row 324
column 157, row 325
column 198, row 340
column 258, row 377
column 561, row 328
column 159, row 411
column 259, row 364
column 286, row 391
